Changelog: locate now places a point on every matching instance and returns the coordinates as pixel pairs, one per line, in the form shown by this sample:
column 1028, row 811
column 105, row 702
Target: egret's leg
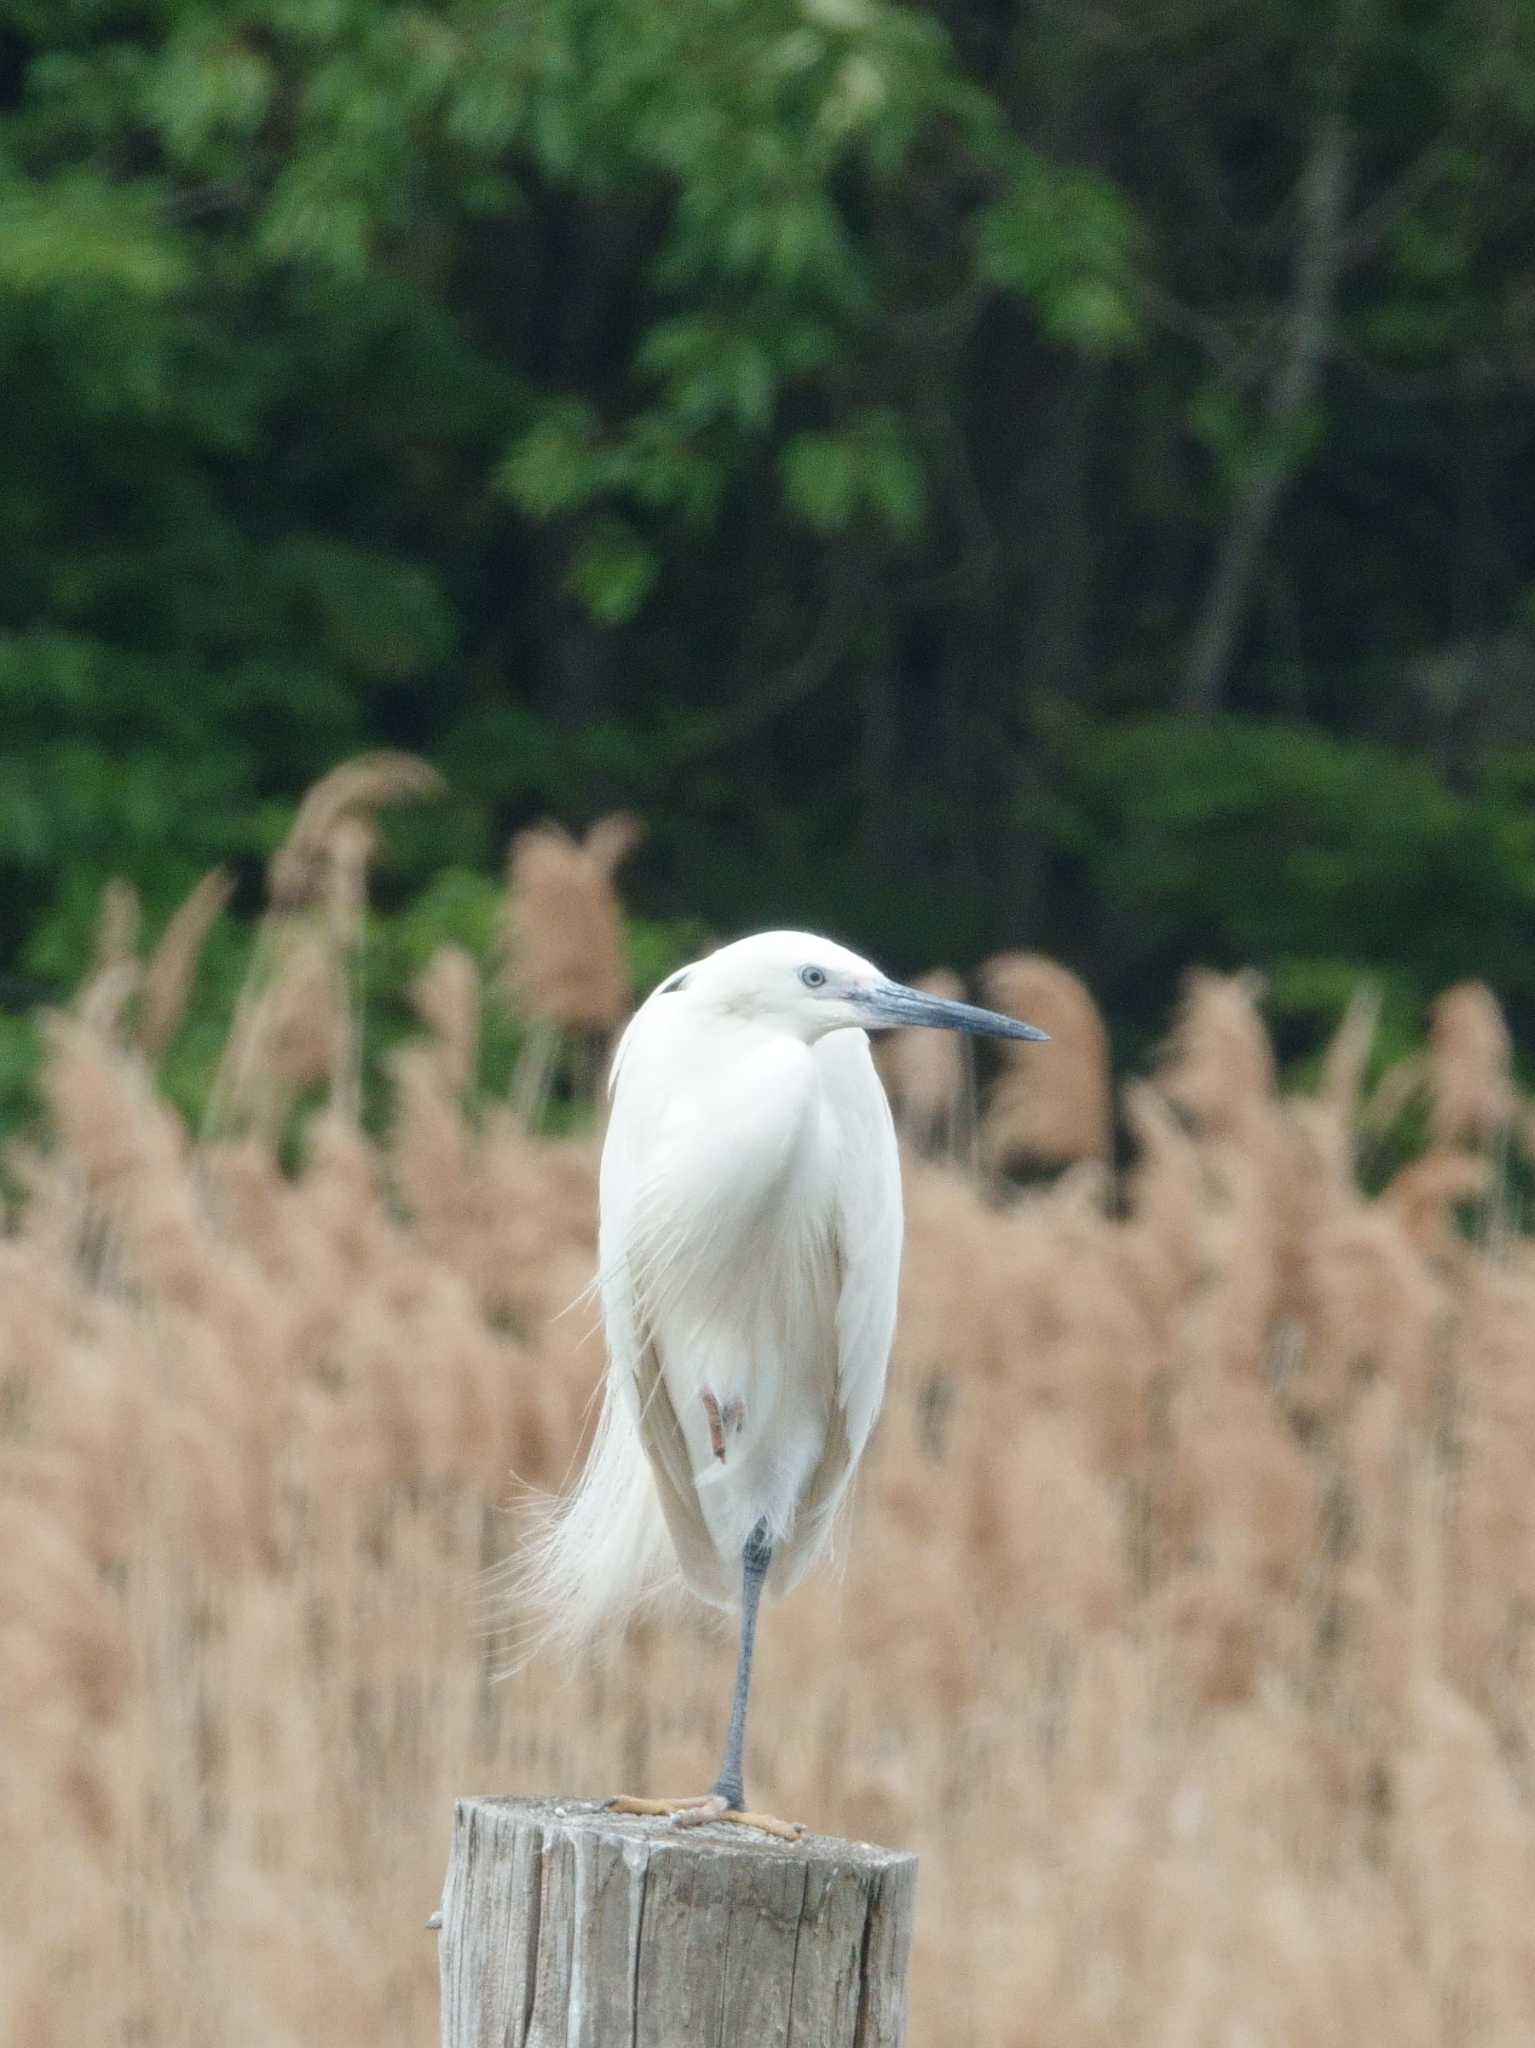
column 727, row 1801
column 755, row 1559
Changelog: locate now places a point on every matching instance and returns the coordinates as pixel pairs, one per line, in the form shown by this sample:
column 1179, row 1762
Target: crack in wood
column 870, row 1899
column 639, row 1942
column 535, row 1922
column 799, row 1928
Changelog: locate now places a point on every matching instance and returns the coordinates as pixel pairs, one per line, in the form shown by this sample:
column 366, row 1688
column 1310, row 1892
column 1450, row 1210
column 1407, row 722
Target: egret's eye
column 813, row 977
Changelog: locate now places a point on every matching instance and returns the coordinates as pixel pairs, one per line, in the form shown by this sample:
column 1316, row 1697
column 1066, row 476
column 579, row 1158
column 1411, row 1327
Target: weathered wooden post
column 565, row 1926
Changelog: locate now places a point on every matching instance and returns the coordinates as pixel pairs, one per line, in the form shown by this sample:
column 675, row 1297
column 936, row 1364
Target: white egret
column 750, row 1245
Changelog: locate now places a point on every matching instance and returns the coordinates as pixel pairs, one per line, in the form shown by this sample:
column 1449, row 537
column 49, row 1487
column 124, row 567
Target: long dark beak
column 889, row 1004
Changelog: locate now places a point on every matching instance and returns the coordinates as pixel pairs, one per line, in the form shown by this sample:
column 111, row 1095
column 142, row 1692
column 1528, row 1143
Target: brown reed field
column 1184, row 1623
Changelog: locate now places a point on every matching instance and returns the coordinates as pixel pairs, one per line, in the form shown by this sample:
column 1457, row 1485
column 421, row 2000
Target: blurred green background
column 967, row 474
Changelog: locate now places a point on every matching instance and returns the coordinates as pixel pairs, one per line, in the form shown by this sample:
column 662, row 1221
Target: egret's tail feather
column 590, row 1562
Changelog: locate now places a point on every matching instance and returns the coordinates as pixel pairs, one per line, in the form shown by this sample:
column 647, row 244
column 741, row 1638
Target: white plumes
column 749, row 1257
column 600, row 1557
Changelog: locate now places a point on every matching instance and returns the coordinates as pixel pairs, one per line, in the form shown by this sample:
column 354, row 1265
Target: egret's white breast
column 719, row 1187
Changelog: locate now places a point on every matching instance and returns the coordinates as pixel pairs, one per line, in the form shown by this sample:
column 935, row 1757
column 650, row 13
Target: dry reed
column 1062, row 1109
column 171, row 966
column 564, row 924
column 563, row 965
column 1183, row 1628
column 1469, row 1053
column 301, row 870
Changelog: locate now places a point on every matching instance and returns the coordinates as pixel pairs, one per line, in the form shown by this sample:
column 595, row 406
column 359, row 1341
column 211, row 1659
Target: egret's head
column 809, row 986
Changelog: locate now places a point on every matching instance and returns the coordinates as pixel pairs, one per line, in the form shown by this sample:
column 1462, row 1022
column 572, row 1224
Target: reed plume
column 171, row 966
column 1196, row 1540
column 1218, row 1061
column 1470, row 1076
column 1067, row 1112
column 563, row 961
column 350, row 795
column 564, row 924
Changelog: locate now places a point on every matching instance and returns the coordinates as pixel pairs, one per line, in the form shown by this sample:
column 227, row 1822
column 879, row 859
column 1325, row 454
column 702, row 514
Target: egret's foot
column 706, row 1807
column 623, row 1802
column 693, row 1813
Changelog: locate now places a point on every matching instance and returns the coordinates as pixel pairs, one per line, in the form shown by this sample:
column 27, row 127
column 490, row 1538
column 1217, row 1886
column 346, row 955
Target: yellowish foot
column 693, row 1813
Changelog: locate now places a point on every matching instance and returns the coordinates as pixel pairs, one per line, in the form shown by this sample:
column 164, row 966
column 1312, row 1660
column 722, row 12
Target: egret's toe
column 769, row 1823
column 624, row 1802
column 703, row 1809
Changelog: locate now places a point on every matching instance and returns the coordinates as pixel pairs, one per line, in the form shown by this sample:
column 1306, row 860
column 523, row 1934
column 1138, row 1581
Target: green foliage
column 611, row 571
column 868, row 467
column 1308, row 997
column 555, row 467
column 458, row 907
column 1326, row 862
column 1243, row 443
column 80, row 236
column 21, row 1051
column 1065, row 240
column 817, row 424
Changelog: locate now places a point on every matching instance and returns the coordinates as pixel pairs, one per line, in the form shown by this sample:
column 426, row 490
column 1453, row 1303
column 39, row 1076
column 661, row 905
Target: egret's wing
column 666, row 1446
column 635, row 1366
column 866, row 1237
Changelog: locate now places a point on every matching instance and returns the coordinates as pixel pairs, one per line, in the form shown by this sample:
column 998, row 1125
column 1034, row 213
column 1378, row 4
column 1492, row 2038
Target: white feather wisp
column 593, row 1560
column 748, row 1258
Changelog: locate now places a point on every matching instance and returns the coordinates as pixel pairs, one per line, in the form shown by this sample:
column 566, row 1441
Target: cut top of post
column 566, row 1926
